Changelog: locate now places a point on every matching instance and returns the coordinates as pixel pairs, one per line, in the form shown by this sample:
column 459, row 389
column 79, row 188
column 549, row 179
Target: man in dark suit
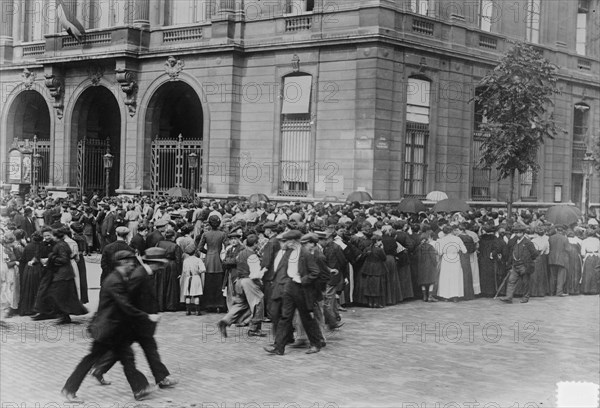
column 558, row 261
column 269, row 252
column 143, row 296
column 138, row 241
column 295, row 284
column 107, row 260
column 25, row 222
column 108, row 227
column 111, row 331
column 521, row 255
column 157, row 235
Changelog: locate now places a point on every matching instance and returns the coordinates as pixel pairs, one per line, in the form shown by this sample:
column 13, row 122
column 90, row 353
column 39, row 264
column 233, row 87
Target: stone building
column 303, row 98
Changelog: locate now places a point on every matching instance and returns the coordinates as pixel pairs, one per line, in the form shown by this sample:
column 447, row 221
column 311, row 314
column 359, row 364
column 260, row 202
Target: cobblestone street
column 413, row 355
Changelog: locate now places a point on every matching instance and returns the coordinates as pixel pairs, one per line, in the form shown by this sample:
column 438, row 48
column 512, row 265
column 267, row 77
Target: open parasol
column 451, row 205
column 360, row 196
column 563, row 215
column 436, row 196
column 411, row 205
column 178, row 192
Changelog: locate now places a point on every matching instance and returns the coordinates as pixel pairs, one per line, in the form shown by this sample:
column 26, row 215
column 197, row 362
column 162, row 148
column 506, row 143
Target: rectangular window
column 581, row 33
column 417, row 135
column 187, row 12
column 580, row 122
column 487, row 8
column 481, row 187
column 529, row 185
column 296, row 7
column 423, row 7
column 36, row 24
column 296, row 136
column 533, row 21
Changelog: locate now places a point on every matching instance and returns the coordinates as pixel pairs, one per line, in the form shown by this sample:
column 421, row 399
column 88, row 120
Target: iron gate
column 170, row 166
column 90, row 165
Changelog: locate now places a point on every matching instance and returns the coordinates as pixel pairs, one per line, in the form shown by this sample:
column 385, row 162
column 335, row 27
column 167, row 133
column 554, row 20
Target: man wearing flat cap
column 158, row 234
column 142, row 293
column 111, row 329
column 296, row 275
column 267, row 260
column 108, row 253
column 521, row 257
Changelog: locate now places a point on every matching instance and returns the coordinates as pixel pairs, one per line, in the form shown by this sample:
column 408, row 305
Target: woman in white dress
column 450, row 282
column 590, row 251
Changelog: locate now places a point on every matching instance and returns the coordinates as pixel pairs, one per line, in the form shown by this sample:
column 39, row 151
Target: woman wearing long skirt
column 82, row 247
column 403, row 262
column 590, row 251
column 490, row 254
column 392, row 284
column 465, row 263
column 538, row 281
column 575, row 264
column 450, row 281
column 9, row 276
column 373, row 272
column 62, row 292
column 74, row 258
column 31, row 275
column 427, row 261
column 211, row 244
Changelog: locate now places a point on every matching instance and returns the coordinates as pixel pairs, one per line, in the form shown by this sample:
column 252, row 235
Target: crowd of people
column 294, row 265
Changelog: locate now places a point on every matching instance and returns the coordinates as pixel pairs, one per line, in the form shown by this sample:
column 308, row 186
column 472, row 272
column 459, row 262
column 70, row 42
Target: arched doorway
column 95, row 129
column 174, row 124
column 29, row 117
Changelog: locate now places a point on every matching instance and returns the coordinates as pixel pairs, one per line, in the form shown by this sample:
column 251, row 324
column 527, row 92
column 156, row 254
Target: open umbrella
column 451, row 205
column 563, row 215
column 436, row 196
column 255, row 198
column 360, row 196
column 412, row 205
column 178, row 192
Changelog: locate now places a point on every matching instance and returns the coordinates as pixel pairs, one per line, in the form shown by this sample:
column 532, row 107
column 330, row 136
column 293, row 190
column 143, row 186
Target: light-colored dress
column 74, row 257
column 475, row 264
column 450, row 282
column 192, row 275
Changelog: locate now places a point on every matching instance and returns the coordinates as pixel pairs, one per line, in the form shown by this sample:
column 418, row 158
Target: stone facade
column 226, row 74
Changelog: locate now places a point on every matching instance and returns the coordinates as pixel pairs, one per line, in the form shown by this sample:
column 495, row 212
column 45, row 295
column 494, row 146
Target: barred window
column 417, row 136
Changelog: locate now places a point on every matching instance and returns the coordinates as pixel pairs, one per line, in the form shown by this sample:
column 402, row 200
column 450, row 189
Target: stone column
column 7, row 13
column 141, row 16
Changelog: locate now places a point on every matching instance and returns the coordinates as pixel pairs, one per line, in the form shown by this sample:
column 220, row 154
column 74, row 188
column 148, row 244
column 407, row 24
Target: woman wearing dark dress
column 211, row 244
column 403, row 259
column 538, row 281
column 82, row 245
column 390, row 247
column 465, row 262
column 373, row 272
column 490, row 255
column 31, row 275
column 62, row 292
column 575, row 263
column 427, row 265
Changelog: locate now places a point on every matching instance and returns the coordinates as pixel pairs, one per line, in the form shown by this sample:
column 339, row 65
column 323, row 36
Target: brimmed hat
column 122, row 230
column 270, row 225
column 161, row 223
column 290, row 235
column 155, row 254
column 77, row 227
column 125, row 254
column 519, row 228
column 235, row 234
column 311, row 237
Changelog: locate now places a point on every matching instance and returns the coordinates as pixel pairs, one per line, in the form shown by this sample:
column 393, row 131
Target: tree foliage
column 516, row 100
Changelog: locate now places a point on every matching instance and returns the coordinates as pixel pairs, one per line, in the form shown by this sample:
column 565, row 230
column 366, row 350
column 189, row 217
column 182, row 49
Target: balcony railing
column 183, row 34
column 93, row 38
column 34, row 49
column 486, row 41
column 293, row 24
column 422, row 26
column 584, row 64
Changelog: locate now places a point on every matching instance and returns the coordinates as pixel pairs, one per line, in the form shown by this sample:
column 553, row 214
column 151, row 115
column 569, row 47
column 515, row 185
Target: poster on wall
column 26, row 169
column 14, row 167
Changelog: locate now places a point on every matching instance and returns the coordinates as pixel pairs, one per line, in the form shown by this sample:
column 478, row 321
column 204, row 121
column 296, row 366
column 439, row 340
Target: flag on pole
column 69, row 21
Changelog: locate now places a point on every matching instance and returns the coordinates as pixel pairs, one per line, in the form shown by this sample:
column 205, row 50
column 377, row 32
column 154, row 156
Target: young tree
column 516, row 98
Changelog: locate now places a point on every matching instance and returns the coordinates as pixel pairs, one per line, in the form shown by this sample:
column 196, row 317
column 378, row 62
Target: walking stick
column 502, row 285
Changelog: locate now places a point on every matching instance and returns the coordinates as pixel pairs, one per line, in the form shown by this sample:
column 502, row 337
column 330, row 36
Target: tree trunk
column 511, row 194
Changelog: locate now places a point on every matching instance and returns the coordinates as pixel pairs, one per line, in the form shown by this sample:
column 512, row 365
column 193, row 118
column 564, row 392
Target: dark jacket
column 523, row 253
column 154, row 238
column 309, row 274
column 107, row 263
column 25, row 223
column 268, row 258
column 108, row 227
column 143, row 296
column 558, row 254
column 59, row 262
column 138, row 243
column 116, row 314
column 335, row 258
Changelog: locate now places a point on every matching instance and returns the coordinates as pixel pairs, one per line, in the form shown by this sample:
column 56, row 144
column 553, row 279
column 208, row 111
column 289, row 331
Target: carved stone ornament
column 95, row 72
column 127, row 80
column 173, row 67
column 55, row 86
column 28, row 78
